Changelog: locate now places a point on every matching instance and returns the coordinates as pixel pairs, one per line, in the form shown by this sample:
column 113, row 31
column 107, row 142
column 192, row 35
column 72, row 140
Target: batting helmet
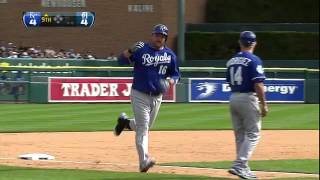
column 161, row 29
column 247, row 38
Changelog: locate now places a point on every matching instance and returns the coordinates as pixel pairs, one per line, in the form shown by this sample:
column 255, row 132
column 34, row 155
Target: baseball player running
column 155, row 66
column 245, row 76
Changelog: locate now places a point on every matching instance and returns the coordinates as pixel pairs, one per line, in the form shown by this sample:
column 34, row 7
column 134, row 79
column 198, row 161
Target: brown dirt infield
column 103, row 151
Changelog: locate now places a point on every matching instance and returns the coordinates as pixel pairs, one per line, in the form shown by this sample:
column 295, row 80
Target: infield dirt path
column 103, row 151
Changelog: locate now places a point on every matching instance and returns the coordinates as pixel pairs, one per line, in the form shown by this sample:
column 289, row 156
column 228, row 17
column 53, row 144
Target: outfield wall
column 43, row 89
column 33, row 86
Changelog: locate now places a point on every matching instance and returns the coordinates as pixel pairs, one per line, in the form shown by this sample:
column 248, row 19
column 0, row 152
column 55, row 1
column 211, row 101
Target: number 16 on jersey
column 163, row 69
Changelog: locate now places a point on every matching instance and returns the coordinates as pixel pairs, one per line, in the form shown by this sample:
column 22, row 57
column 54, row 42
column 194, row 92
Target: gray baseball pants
column 246, row 120
column 145, row 108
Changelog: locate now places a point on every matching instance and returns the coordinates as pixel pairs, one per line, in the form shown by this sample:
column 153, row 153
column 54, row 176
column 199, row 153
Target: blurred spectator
column 10, row 50
column 49, row 53
column 13, row 54
column 32, row 52
column 112, row 56
column 25, row 55
column 3, row 51
column 89, row 56
column 61, row 54
column 70, row 54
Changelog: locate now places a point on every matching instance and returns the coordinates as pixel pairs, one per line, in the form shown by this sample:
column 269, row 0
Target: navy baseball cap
column 247, row 38
column 161, row 29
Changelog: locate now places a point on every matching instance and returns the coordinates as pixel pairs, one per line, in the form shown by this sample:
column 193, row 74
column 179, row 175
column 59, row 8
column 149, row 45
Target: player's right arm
column 126, row 57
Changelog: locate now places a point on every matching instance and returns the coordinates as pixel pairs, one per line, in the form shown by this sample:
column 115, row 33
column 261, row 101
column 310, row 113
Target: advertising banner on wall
column 217, row 90
column 94, row 89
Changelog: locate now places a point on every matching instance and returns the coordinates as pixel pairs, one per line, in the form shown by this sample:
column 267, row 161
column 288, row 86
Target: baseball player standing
column 245, row 76
column 155, row 66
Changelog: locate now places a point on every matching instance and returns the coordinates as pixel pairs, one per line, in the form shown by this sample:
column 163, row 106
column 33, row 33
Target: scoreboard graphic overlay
column 58, row 19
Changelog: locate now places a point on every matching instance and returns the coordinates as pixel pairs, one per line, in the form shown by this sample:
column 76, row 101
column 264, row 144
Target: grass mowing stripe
column 287, row 165
column 172, row 116
column 29, row 107
column 66, row 113
column 39, row 110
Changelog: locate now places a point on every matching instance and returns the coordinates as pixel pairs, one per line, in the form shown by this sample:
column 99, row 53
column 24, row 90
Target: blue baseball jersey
column 151, row 65
column 243, row 71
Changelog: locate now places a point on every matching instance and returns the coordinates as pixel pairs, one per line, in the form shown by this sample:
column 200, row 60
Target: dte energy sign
column 217, row 90
column 94, row 89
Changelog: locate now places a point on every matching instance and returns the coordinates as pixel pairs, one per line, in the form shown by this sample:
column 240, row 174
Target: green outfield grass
column 20, row 173
column 288, row 165
column 172, row 116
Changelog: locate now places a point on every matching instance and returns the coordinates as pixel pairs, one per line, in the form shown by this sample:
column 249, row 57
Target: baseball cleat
column 150, row 164
column 243, row 174
column 123, row 122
